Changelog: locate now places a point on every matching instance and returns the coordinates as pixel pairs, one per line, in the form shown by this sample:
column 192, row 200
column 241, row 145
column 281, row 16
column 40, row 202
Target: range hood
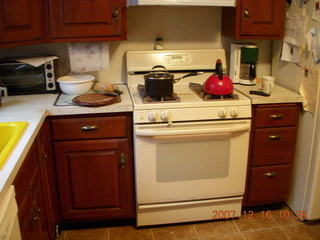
column 216, row 3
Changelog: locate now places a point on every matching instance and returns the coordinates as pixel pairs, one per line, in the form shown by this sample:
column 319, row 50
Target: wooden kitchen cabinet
column 271, row 153
column 25, row 22
column 34, row 186
column 252, row 19
column 21, row 22
column 30, row 198
column 48, row 177
column 93, row 158
column 86, row 20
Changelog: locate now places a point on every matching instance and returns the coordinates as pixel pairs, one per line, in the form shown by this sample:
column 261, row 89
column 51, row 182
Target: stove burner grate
column 198, row 89
column 148, row 99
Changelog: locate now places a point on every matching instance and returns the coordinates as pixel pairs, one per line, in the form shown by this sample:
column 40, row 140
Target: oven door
column 190, row 161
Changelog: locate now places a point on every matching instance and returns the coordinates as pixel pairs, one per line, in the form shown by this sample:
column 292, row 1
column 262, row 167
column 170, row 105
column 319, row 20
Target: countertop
column 34, row 109
column 278, row 95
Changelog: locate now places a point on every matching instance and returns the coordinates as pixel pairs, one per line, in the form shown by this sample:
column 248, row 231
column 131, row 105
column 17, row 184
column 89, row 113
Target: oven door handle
column 150, row 132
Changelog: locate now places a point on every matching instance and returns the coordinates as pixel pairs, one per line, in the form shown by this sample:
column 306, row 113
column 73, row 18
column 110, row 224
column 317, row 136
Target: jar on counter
column 158, row 44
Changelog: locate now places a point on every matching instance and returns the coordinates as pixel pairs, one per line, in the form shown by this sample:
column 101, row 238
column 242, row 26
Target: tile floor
column 276, row 224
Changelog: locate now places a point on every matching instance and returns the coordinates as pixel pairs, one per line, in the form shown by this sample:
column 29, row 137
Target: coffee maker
column 243, row 63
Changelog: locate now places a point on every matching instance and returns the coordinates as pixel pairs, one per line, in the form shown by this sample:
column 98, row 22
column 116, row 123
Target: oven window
column 184, row 161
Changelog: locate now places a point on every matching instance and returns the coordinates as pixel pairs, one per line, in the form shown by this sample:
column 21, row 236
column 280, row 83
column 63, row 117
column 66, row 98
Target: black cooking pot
column 160, row 83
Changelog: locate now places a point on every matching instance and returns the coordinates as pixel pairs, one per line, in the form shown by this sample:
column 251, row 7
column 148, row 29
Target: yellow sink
column 10, row 133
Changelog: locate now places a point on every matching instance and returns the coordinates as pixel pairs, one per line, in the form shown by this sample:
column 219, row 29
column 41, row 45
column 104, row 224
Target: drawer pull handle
column 89, row 128
column 270, row 174
column 275, row 137
column 276, row 116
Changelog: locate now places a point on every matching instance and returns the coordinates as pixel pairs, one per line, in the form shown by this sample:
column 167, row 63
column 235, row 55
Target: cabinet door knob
column 123, row 161
column 89, row 128
column 270, row 174
column 115, row 14
column 276, row 116
column 275, row 137
column 246, row 13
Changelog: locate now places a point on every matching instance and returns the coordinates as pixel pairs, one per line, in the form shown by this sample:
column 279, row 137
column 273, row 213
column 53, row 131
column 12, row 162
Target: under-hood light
column 216, row 3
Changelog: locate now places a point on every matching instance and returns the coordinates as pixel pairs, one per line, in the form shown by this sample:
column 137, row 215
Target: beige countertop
column 278, row 95
column 34, row 109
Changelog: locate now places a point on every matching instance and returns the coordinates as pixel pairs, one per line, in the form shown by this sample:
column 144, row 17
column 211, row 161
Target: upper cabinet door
column 254, row 19
column 81, row 19
column 20, row 21
column 264, row 17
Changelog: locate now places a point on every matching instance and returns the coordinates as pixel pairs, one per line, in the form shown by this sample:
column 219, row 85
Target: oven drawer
column 271, row 183
column 276, row 116
column 89, row 128
column 273, row 146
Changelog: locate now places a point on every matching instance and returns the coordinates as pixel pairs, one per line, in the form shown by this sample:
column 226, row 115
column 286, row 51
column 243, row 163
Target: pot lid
column 75, row 78
column 159, row 76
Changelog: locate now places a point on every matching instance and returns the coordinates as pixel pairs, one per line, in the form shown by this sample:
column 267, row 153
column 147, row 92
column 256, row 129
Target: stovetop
column 187, row 97
column 190, row 107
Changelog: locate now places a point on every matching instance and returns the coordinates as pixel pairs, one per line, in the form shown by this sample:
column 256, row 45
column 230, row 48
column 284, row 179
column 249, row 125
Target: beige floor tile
column 285, row 217
column 130, row 233
column 302, row 232
column 176, row 232
column 233, row 236
column 63, row 235
column 216, row 228
column 266, row 234
column 255, row 221
column 87, row 234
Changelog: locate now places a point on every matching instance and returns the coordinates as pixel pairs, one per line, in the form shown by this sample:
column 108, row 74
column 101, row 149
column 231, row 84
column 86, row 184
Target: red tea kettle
column 218, row 84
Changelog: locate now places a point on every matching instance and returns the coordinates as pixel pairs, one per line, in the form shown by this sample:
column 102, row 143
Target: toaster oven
column 23, row 79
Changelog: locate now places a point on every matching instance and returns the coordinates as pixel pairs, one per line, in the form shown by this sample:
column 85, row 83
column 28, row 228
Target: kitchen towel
column 309, row 89
column 88, row 56
column 36, row 61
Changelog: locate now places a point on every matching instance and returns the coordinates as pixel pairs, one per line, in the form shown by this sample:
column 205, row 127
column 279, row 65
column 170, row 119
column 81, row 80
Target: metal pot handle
column 159, row 66
column 188, row 75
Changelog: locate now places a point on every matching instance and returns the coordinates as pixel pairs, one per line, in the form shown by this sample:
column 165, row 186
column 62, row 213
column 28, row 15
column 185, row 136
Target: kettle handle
column 219, row 69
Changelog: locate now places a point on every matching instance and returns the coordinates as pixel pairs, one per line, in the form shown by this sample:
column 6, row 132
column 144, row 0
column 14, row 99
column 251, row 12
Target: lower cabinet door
column 269, row 184
column 32, row 215
column 95, row 179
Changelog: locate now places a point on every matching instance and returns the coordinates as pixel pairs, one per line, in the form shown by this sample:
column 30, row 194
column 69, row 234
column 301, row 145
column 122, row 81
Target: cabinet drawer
column 89, row 128
column 273, row 146
column 269, row 184
column 276, row 116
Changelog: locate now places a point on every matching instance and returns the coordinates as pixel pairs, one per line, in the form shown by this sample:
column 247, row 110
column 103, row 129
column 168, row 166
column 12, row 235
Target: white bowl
column 75, row 84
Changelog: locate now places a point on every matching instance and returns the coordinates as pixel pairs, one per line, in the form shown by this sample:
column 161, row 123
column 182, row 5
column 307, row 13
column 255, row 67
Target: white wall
column 180, row 27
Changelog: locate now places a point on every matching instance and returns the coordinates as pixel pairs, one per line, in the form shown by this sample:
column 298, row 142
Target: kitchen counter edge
column 34, row 109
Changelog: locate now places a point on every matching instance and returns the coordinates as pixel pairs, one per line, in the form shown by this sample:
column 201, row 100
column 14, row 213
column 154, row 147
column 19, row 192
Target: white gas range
column 190, row 154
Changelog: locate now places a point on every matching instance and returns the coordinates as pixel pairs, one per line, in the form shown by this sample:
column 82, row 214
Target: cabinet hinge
column 123, row 161
column 115, row 14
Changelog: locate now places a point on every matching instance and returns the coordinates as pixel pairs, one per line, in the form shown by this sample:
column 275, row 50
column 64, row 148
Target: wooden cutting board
column 95, row 100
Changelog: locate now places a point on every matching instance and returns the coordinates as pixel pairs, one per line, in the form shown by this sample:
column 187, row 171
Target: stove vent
column 216, row 3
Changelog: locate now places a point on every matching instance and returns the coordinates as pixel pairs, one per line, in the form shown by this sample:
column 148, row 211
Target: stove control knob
column 164, row 116
column 234, row 112
column 222, row 113
column 152, row 116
